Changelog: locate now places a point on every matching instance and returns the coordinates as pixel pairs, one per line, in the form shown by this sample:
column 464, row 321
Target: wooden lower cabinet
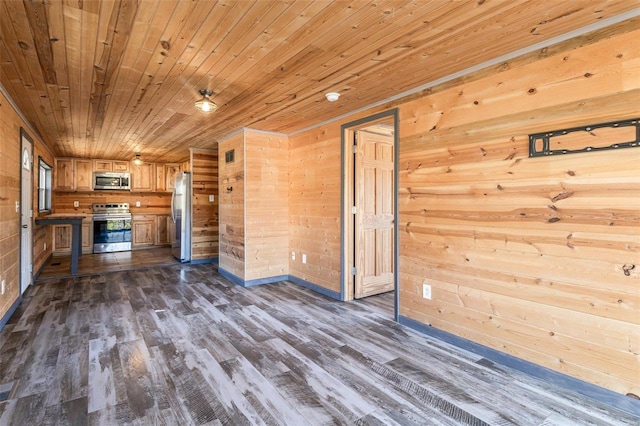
column 165, row 230
column 143, row 230
column 62, row 238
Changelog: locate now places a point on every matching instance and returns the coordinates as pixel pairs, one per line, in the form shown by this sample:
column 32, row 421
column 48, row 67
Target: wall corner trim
column 5, row 319
column 598, row 393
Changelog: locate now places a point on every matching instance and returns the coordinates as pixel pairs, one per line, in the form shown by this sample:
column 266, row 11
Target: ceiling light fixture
column 332, row 96
column 205, row 104
column 137, row 161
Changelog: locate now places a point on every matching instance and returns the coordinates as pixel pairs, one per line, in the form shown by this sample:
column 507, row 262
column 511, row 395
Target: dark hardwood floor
column 181, row 345
column 91, row 264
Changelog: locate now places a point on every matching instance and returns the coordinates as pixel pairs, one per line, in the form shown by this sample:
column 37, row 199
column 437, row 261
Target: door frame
column 26, row 139
column 347, row 225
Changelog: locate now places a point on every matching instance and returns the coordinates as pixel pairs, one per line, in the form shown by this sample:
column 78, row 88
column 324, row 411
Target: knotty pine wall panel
column 530, row 256
column 538, row 258
column 204, row 182
column 266, row 208
column 314, row 206
column 10, row 166
column 232, row 207
column 10, row 124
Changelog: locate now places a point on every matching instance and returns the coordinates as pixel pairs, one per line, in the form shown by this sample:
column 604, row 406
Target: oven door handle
column 173, row 209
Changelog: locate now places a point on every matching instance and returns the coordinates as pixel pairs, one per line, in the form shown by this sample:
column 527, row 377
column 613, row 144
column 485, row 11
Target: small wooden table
column 76, row 233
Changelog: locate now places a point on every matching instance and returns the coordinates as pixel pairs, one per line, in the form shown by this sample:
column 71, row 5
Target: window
column 44, row 186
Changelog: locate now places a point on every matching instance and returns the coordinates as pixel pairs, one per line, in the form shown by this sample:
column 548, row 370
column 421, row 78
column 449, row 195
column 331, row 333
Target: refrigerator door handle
column 173, row 208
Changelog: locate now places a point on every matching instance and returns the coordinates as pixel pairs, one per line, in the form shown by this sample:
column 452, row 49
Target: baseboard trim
column 598, row 393
column 5, row 319
column 251, row 283
column 45, row 263
column 200, row 261
column 318, row 289
column 267, row 280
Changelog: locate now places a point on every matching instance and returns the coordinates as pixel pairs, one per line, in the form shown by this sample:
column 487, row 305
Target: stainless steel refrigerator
column 181, row 215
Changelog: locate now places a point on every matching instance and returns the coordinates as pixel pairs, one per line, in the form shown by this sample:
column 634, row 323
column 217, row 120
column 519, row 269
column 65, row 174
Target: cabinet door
column 102, row 165
column 142, row 177
column 61, row 239
column 83, row 175
column 87, row 236
column 143, row 229
column 63, row 174
column 171, row 171
column 120, row 166
column 165, row 230
column 161, row 184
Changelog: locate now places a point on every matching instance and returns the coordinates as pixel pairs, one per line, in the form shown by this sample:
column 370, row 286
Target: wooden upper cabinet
column 103, row 165
column 143, row 177
column 63, row 173
column 171, row 170
column 166, row 176
column 110, row 166
column 161, row 181
column 121, row 166
column 83, row 175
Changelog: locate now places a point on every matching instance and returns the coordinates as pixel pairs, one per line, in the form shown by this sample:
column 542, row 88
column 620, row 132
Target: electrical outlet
column 426, row 291
column 293, row 255
column 4, row 286
column 137, row 203
column 76, row 204
column 212, row 198
column 304, row 258
column 17, row 206
column 45, row 246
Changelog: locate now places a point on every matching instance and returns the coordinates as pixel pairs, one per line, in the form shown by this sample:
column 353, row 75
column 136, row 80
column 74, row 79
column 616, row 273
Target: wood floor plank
column 182, row 345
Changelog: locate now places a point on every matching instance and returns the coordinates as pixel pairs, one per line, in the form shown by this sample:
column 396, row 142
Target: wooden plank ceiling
column 111, row 78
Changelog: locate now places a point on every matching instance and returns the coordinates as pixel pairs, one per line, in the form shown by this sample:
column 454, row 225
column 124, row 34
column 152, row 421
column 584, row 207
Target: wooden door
column 26, row 215
column 374, row 189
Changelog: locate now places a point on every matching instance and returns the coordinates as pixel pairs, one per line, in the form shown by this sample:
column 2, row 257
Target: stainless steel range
column 111, row 227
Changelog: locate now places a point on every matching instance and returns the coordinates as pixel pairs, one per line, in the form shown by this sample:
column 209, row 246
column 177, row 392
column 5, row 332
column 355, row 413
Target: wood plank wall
column 266, row 209
column 537, row 258
column 150, row 202
column 314, row 205
column 232, row 232
column 204, row 218
column 528, row 255
column 10, row 148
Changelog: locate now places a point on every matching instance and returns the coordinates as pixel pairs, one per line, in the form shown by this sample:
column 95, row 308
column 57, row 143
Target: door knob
column 25, row 226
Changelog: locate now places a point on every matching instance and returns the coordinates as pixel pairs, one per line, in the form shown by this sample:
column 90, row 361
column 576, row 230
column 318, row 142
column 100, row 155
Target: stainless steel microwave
column 109, row 180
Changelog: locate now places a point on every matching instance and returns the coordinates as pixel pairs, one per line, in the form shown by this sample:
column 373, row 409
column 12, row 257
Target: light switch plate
column 426, row 291
column 304, row 258
column 137, row 203
column 212, row 198
column 76, row 204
